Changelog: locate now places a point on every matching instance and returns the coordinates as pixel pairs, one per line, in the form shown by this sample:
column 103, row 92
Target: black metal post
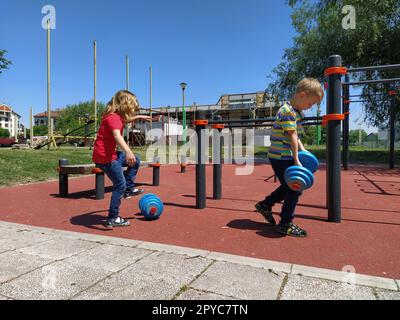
column 156, row 175
column 346, row 124
column 392, row 121
column 99, row 186
column 217, row 161
column 200, row 165
column 63, row 179
column 333, row 142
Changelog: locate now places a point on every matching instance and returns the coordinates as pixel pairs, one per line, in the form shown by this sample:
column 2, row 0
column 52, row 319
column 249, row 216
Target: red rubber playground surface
column 368, row 237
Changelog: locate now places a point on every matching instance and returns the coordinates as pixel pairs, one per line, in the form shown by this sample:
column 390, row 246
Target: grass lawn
column 24, row 166
column 357, row 155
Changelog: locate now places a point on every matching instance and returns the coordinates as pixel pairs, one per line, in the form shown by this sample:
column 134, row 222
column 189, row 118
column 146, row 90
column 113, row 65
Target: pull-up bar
column 356, row 83
column 271, row 119
column 375, row 68
column 315, row 123
column 367, row 95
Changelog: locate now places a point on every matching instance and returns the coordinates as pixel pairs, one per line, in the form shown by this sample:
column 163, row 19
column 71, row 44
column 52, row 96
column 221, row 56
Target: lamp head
column 183, row 85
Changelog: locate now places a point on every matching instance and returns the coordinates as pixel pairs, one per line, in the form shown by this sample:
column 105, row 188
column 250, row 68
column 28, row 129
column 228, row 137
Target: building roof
column 239, row 96
column 6, row 108
column 54, row 114
column 3, row 107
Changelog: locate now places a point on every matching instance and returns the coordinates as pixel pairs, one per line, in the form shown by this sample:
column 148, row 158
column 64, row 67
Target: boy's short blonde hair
column 310, row 86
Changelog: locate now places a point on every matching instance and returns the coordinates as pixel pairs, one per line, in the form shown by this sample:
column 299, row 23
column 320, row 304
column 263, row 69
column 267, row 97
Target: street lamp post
column 183, row 86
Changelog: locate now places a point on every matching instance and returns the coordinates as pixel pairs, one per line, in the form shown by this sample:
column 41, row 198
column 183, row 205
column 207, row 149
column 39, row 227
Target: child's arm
column 301, row 146
column 130, row 157
column 146, row 118
column 294, row 143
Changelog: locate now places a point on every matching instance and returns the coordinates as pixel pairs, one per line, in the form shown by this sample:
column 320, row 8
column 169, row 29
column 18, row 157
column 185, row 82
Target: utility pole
column 127, row 88
column 95, row 86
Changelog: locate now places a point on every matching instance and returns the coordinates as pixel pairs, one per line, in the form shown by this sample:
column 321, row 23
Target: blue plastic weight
column 298, row 178
column 309, row 161
column 306, row 177
column 302, row 170
column 148, row 195
column 151, row 206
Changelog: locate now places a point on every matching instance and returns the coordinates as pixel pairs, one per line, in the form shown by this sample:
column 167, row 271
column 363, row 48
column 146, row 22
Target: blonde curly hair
column 125, row 104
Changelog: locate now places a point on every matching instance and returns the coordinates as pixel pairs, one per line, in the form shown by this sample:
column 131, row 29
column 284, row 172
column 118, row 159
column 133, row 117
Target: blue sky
column 216, row 46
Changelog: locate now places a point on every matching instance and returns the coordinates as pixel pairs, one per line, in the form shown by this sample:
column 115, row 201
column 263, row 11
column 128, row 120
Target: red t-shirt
column 104, row 150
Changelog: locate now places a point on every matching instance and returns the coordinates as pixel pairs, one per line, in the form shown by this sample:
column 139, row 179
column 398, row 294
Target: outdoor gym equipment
column 151, row 206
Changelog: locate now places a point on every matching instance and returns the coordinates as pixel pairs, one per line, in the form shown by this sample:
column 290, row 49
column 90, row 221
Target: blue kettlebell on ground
column 151, row 206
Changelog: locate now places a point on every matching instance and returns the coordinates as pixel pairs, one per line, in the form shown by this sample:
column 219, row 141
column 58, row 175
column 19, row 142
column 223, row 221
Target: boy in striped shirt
column 283, row 153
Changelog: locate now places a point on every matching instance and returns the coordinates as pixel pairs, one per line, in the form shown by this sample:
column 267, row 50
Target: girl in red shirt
column 120, row 110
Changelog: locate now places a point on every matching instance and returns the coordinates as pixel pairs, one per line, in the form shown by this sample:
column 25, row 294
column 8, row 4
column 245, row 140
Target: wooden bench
column 65, row 169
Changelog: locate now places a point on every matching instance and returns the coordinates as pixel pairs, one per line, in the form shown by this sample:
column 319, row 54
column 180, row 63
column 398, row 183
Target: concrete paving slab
column 11, row 225
column 21, row 239
column 174, row 249
column 192, row 294
column 157, row 276
column 306, row 288
column 334, row 275
column 254, row 262
column 91, row 237
column 59, row 248
column 57, row 281
column 6, row 232
column 14, row 264
column 387, row 294
column 108, row 257
column 103, row 267
column 240, row 281
column 377, row 282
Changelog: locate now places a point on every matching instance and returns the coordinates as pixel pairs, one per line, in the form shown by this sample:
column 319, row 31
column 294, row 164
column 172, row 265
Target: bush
column 39, row 131
column 4, row 133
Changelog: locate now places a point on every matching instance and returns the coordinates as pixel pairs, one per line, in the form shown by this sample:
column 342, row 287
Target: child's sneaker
column 290, row 229
column 266, row 212
column 117, row 222
column 131, row 193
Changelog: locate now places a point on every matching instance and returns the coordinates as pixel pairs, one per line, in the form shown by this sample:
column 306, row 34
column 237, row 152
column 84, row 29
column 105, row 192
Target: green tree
column 76, row 115
column 310, row 135
column 319, row 34
column 39, row 131
column 4, row 63
column 4, row 133
column 354, row 136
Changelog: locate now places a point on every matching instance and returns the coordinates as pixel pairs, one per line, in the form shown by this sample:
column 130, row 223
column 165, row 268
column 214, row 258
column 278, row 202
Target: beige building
column 229, row 106
column 239, row 106
column 10, row 120
column 41, row 119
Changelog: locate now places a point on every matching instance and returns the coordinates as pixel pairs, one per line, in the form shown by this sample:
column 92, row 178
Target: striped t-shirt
column 286, row 119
